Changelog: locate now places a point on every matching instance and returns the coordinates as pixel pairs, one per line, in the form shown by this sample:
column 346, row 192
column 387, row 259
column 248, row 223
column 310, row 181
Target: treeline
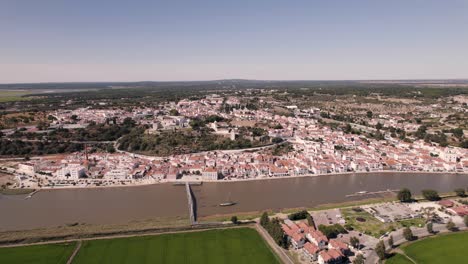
column 361, row 89
column 274, row 229
column 94, row 132
column 22, row 148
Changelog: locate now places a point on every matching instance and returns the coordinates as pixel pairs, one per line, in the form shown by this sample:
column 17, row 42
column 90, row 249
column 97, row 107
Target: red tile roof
column 311, row 248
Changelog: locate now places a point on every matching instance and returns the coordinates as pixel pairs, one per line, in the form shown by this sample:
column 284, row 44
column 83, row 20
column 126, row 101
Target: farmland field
column 46, row 254
column 10, row 96
column 398, row 259
column 450, row 248
column 239, row 245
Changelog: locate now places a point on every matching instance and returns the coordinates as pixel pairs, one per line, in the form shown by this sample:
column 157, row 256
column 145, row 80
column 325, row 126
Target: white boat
column 227, row 204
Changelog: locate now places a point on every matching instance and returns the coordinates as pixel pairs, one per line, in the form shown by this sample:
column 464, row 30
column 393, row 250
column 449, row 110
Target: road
column 63, row 141
column 77, row 248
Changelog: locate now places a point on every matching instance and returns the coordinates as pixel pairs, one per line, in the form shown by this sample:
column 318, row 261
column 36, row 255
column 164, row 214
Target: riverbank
column 285, row 211
column 234, row 180
column 18, row 191
column 74, row 231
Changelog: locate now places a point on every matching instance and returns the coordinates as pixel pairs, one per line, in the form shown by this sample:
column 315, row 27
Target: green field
column 11, row 96
column 239, row 245
column 450, row 248
column 398, row 259
column 46, row 254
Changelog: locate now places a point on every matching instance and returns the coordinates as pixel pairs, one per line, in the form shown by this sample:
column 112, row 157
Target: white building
column 210, row 174
column 71, row 172
column 117, row 174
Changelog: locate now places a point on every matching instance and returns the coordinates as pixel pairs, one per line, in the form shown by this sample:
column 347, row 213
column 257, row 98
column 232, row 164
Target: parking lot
column 328, row 217
column 391, row 212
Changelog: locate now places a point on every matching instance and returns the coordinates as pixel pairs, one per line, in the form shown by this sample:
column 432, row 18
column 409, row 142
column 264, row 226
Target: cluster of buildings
column 314, row 245
column 317, row 149
column 100, row 169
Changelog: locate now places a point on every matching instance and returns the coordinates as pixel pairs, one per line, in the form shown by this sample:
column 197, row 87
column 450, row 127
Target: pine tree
column 264, row 220
column 380, row 250
column 408, row 234
column 390, row 241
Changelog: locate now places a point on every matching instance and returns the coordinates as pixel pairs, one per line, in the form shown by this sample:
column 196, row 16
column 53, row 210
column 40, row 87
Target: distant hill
column 222, row 84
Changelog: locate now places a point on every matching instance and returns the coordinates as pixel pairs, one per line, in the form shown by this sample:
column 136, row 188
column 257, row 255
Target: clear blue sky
column 113, row 40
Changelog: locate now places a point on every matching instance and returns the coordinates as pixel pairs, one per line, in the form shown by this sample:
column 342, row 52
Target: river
column 50, row 208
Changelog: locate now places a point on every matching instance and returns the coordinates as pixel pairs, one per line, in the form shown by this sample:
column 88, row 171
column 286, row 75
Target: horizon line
column 241, row 79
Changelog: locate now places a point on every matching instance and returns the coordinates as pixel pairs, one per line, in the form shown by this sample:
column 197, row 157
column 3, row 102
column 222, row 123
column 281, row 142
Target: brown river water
column 50, row 208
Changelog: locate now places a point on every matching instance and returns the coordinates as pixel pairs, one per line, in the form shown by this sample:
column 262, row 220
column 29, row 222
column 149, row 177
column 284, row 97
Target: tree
column 348, row 128
column 354, row 241
column 110, row 149
column 380, row 250
column 379, row 126
column 464, row 144
column 310, row 220
column 408, row 234
column 429, row 228
column 451, row 226
column 264, row 219
column 458, row 132
column 276, row 232
column 234, row 219
column 421, row 132
column 369, row 114
column 430, row 195
column 332, row 231
column 277, row 140
column 460, row 192
column 390, row 241
column 298, row 215
column 359, row 259
column 404, row 195
column 428, row 213
column 174, row 112
column 465, row 220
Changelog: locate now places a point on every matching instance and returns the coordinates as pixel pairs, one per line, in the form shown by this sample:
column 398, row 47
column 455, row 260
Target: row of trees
column 409, row 236
column 405, row 195
column 273, row 227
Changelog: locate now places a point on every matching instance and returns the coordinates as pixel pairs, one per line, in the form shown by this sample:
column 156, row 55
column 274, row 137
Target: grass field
column 11, row 96
column 398, row 259
column 41, row 254
column 238, row 245
column 449, row 248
